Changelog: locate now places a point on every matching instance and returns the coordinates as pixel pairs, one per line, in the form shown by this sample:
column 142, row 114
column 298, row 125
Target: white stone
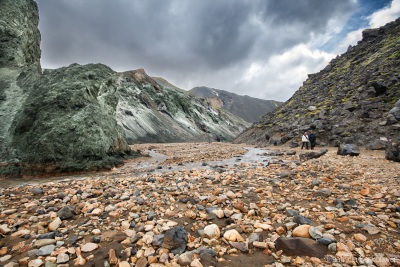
column 55, row 224
column 88, row 247
column 212, row 231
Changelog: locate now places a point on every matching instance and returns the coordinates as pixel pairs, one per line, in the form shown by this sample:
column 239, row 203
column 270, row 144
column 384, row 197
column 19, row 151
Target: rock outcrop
column 354, row 99
column 248, row 108
column 82, row 117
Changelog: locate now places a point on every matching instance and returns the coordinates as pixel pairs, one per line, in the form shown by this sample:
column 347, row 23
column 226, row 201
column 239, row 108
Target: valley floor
column 246, row 199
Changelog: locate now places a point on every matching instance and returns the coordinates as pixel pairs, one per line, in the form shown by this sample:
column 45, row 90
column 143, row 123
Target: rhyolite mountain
column 248, row 108
column 83, row 117
column 354, row 99
column 153, row 110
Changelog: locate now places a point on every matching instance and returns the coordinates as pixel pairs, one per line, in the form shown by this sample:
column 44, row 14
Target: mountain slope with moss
column 352, row 99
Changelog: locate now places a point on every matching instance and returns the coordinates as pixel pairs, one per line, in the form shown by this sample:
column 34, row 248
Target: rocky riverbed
column 209, row 204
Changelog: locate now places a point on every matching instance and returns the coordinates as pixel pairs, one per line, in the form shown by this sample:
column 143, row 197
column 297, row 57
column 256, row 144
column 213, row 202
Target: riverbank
column 231, row 212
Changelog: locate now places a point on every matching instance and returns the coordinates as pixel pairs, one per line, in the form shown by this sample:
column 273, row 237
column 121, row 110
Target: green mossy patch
column 68, row 121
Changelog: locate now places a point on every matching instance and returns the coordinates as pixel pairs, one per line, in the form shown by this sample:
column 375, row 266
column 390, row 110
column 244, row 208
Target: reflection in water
column 153, row 163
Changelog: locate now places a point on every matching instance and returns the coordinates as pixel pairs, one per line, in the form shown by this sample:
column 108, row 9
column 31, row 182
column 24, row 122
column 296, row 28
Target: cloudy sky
column 260, row 48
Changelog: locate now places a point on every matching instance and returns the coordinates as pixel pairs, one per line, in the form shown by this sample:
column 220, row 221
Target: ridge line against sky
column 260, row 48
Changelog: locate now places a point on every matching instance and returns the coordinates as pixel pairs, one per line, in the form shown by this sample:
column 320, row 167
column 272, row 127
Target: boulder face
column 354, row 99
column 19, row 35
column 248, row 108
column 68, row 119
column 82, row 117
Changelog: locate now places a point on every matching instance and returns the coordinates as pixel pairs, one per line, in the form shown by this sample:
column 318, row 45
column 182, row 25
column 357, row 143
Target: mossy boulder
column 68, row 120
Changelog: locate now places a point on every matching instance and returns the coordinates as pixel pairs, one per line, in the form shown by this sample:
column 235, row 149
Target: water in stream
column 153, row 163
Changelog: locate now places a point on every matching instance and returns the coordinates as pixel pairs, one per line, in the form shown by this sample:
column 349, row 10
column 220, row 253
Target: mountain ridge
column 246, row 107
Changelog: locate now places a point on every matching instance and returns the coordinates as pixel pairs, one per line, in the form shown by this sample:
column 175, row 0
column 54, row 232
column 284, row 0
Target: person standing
column 313, row 140
column 305, row 140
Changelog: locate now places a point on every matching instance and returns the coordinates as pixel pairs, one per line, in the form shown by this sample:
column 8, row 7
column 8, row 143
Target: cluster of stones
column 322, row 211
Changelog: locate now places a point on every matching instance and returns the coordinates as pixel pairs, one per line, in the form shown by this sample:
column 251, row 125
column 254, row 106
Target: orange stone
column 343, row 219
column 364, row 191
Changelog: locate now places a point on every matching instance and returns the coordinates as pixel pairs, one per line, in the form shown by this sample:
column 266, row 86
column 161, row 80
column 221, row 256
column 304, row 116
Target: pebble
column 212, row 231
column 55, row 224
column 62, row 258
column 5, row 258
column 88, row 247
column 35, row 263
column 252, row 206
column 301, row 231
column 46, row 250
column 44, row 242
column 233, row 235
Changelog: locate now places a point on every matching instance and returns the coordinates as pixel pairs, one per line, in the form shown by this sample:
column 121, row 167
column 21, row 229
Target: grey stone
column 376, row 145
column 37, row 190
column 393, row 152
column 65, row 213
column 324, row 192
column 46, row 250
column 157, row 240
column 312, row 154
column 254, row 237
column 242, row 246
column 300, row 219
column 175, row 240
column 348, row 149
column 325, row 241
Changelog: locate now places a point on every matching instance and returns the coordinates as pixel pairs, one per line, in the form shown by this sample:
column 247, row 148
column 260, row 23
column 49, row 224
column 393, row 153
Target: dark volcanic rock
column 300, row 247
column 376, row 145
column 348, row 149
column 312, row 154
column 300, row 219
column 175, row 240
column 393, row 152
column 65, row 213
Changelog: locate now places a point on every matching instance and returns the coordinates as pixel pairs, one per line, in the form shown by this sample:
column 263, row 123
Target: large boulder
column 393, row 152
column 312, row 154
column 68, row 120
column 377, row 144
column 394, row 114
column 348, row 150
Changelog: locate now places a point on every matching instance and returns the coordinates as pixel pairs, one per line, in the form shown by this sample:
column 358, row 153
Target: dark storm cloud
column 186, row 41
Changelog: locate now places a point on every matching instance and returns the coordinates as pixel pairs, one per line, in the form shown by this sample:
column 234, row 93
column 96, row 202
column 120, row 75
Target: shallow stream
column 151, row 164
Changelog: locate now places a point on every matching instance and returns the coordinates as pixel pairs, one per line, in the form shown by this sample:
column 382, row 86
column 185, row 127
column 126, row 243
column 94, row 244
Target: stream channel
column 151, row 164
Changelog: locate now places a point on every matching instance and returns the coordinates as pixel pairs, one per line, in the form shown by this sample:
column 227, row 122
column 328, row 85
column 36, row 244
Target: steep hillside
column 154, row 111
column 82, row 117
column 248, row 108
column 352, row 99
